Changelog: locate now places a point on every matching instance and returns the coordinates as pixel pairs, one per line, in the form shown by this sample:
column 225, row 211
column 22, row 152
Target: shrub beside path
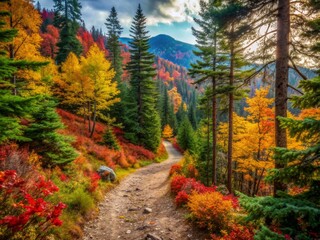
column 141, row 206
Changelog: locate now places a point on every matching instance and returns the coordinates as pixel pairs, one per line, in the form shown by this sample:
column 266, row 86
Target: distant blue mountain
column 170, row 49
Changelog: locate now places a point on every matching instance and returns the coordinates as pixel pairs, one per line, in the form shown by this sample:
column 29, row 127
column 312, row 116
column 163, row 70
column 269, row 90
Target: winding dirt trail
column 123, row 212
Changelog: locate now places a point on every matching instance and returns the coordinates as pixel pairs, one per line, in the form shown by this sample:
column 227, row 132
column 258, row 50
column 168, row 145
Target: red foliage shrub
column 94, row 181
column 176, row 145
column 122, row 160
column 24, row 204
column 181, row 183
column 192, row 171
column 181, row 198
column 177, row 183
column 162, row 152
column 237, row 232
column 234, row 200
column 129, row 155
column 175, row 169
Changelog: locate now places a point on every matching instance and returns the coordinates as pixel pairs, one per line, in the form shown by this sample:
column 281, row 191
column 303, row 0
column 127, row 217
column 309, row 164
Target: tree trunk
column 208, row 142
column 11, row 54
column 214, row 118
column 282, row 62
column 94, row 118
column 89, row 117
column 230, row 134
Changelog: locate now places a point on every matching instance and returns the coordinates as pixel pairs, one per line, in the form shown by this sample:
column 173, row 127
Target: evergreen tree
column 186, row 136
column 113, row 45
column 12, row 107
column 143, row 87
column 166, row 109
column 67, row 15
column 110, row 139
column 297, row 216
column 53, row 147
column 211, row 66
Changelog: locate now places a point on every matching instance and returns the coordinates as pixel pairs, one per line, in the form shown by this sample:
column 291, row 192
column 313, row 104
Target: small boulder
column 107, row 173
column 147, row 210
column 152, row 237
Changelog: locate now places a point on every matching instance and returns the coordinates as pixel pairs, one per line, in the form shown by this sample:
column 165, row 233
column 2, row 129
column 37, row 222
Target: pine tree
column 53, row 147
column 143, row 86
column 186, row 136
column 209, row 68
column 67, row 18
column 12, row 106
column 166, row 109
column 297, row 216
column 113, row 45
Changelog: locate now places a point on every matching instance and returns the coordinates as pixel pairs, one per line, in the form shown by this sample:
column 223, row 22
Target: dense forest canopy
column 242, row 105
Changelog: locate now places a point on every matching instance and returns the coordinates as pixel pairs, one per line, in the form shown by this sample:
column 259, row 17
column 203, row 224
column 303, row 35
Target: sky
column 171, row 17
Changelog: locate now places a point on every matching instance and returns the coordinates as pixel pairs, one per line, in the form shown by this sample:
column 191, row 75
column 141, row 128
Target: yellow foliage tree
column 175, row 98
column 88, row 84
column 25, row 46
column 167, row 132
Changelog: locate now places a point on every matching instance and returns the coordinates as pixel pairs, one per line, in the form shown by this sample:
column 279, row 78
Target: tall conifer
column 143, row 86
column 67, row 17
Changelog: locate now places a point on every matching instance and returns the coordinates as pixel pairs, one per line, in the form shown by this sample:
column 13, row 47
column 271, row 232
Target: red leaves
column 94, row 177
column 24, row 201
column 175, row 169
column 181, row 198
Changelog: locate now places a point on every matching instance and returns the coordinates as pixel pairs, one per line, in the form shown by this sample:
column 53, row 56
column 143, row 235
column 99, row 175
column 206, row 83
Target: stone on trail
column 107, row 173
column 147, row 210
column 152, row 237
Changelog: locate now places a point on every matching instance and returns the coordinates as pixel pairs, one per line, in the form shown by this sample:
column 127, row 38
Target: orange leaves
column 167, row 132
column 210, row 210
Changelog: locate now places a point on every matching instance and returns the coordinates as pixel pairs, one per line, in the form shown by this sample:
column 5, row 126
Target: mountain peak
column 168, row 48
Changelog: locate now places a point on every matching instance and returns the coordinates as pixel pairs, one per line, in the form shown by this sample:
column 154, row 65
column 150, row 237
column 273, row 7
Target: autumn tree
column 293, row 216
column 88, row 84
column 67, row 15
column 281, row 28
column 25, row 46
column 252, row 145
column 49, row 43
column 142, row 84
column 42, row 122
column 167, row 132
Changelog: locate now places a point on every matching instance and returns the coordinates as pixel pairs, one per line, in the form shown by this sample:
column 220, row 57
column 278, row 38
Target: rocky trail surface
column 141, row 208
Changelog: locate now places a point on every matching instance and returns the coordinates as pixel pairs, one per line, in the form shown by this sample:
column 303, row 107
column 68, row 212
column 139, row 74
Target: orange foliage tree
column 167, row 132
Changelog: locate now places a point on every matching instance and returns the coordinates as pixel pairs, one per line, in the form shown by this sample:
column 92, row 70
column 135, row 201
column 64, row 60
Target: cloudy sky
column 172, row 17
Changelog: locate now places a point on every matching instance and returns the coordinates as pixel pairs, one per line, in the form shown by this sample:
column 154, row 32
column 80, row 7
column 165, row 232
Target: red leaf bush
column 25, row 206
column 181, row 198
column 175, row 169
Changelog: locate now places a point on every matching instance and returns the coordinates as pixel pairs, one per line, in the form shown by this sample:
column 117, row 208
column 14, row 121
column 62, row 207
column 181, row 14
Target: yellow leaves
column 176, row 99
column 167, row 132
column 88, row 82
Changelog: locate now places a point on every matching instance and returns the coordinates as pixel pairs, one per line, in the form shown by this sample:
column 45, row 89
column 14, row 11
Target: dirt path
column 122, row 214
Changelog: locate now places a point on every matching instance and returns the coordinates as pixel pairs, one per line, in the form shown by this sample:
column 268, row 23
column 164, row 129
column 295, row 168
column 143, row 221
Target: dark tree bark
column 282, row 68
